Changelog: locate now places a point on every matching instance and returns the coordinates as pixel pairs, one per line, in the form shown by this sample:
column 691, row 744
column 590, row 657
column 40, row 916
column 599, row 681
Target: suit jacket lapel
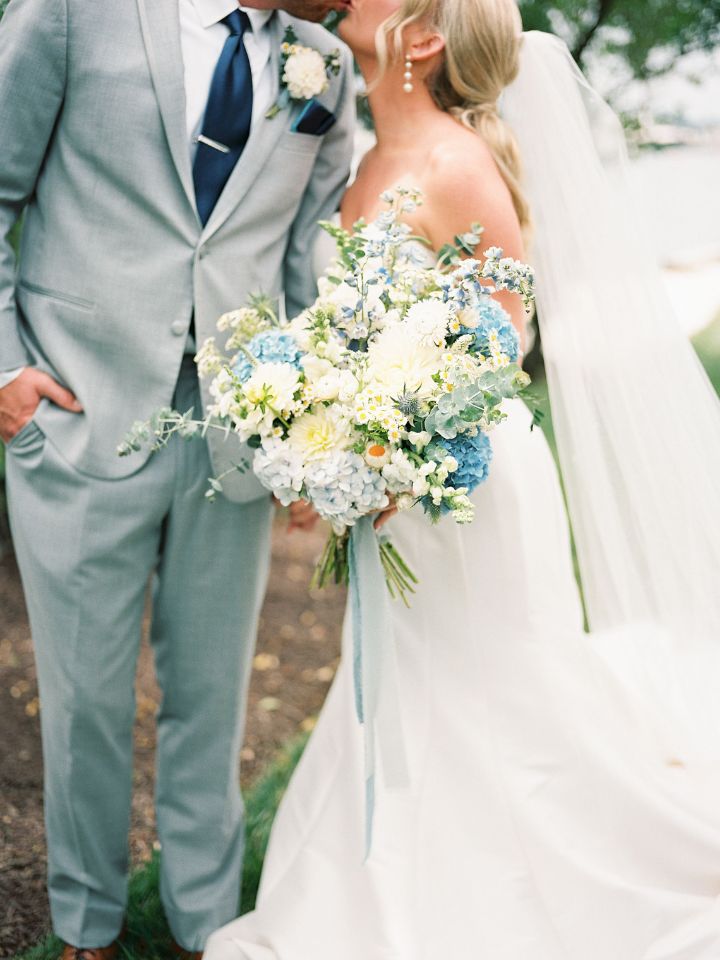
column 161, row 33
column 263, row 138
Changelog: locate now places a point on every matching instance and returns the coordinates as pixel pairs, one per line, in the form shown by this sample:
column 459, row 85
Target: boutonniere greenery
column 304, row 72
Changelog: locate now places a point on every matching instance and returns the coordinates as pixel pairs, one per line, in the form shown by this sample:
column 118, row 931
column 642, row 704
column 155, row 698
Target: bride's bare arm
column 463, row 186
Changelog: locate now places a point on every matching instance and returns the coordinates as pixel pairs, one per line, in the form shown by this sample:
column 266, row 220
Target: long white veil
column 636, row 419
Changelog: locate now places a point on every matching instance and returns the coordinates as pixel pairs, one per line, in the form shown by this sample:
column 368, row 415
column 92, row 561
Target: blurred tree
column 649, row 35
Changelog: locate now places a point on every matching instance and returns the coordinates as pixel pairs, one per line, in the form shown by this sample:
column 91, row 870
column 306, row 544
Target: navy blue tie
column 228, row 116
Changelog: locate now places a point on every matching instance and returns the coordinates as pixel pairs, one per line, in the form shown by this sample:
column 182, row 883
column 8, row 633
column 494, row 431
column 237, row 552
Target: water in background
column 679, row 194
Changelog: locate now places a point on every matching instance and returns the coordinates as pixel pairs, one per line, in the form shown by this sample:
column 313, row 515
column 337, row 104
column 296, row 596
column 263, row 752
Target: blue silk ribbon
column 377, row 699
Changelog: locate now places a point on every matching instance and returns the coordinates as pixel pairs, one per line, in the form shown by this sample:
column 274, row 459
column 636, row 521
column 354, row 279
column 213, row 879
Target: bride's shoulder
column 462, row 161
column 463, row 185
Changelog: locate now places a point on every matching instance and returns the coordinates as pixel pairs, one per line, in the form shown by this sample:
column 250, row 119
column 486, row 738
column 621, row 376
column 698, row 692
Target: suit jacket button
column 179, row 328
column 203, row 252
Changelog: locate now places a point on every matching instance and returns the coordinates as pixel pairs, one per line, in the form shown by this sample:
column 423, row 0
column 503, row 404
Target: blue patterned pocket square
column 314, row 119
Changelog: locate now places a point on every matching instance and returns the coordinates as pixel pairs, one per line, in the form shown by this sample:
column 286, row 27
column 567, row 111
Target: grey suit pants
column 86, row 549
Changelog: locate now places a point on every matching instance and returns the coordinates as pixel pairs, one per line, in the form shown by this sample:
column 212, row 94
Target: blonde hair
column 481, row 58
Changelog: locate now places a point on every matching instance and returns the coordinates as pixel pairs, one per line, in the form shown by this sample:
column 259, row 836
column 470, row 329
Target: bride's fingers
column 383, row 518
column 302, row 516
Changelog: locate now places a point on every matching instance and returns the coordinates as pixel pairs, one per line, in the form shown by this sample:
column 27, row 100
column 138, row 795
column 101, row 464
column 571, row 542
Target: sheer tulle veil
column 637, row 421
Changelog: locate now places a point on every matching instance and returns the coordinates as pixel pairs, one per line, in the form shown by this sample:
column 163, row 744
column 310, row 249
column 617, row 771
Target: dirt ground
column 298, row 649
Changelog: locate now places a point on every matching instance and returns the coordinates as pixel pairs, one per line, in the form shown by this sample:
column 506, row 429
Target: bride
column 564, row 797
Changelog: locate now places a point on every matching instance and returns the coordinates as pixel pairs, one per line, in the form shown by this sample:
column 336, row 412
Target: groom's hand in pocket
column 20, row 399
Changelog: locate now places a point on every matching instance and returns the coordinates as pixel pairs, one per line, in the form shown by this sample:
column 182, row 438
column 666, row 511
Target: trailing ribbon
column 375, row 673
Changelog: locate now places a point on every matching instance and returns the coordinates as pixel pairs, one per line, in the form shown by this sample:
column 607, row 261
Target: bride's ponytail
column 482, row 58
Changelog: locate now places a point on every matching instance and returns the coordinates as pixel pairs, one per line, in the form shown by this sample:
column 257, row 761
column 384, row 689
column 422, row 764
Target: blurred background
column 658, row 62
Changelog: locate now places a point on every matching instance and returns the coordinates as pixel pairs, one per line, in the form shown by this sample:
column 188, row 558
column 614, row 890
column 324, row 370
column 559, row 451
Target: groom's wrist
column 8, row 376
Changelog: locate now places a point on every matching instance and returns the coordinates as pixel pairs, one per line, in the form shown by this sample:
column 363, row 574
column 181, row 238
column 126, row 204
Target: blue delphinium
column 270, row 346
column 493, row 318
column 474, row 456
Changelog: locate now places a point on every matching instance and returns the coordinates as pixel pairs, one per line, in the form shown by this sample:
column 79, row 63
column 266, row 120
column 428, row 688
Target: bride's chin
column 355, row 33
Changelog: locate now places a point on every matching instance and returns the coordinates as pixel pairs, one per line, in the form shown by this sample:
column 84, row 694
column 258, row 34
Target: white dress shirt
column 202, row 37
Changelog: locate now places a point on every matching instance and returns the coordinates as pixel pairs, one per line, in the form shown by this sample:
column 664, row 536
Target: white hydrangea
column 305, row 74
column 343, row 488
column 280, row 469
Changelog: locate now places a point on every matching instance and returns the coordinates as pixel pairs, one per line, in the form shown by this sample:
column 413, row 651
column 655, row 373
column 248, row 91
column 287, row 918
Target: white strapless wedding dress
column 564, row 801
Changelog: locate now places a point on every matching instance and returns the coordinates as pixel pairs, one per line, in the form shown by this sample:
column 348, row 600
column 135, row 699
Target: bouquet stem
column 334, row 567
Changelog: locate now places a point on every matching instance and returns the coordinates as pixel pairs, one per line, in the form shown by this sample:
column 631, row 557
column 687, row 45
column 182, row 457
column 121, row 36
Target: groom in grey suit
column 157, row 195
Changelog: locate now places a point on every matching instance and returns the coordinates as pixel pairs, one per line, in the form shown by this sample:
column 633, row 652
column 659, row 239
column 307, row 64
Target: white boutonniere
column 304, row 72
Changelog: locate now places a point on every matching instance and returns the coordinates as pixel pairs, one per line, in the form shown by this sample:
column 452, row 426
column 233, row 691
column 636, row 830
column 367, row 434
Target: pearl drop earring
column 408, row 85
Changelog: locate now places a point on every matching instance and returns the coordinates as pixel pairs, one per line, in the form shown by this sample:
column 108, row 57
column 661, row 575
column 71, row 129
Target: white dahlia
column 316, row 434
column 401, row 364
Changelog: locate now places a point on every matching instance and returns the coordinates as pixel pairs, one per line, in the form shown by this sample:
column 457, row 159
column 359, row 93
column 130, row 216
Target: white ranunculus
column 316, row 434
column 469, row 318
column 276, row 383
column 400, row 473
column 316, row 367
column 419, row 440
column 330, row 349
column 398, row 363
column 305, row 74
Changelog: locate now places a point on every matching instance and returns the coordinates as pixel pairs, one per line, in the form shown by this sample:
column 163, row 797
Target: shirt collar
column 211, row 12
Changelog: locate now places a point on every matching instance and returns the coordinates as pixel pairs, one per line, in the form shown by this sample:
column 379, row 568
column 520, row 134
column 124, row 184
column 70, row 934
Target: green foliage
column 650, row 35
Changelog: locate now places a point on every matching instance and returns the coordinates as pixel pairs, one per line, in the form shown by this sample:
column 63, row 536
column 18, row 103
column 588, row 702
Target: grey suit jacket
column 114, row 259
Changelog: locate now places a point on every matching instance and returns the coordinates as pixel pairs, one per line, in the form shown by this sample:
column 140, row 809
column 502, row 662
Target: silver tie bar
column 212, row 143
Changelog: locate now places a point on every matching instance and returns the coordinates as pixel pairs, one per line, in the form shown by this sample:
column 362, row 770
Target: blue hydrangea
column 342, row 488
column 474, row 456
column 270, row 346
column 493, row 317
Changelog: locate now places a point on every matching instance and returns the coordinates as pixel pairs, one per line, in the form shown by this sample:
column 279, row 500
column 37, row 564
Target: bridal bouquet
column 383, row 392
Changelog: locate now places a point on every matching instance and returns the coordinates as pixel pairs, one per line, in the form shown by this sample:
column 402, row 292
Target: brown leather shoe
column 90, row 953
column 93, row 953
column 181, row 953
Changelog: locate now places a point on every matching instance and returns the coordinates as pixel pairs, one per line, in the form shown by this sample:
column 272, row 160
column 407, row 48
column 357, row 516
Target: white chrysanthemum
column 273, row 384
column 305, row 74
column 399, row 364
column 315, row 434
column 428, row 321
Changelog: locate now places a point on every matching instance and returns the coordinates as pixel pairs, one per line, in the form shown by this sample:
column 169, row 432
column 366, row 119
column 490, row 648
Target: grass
column 148, row 935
